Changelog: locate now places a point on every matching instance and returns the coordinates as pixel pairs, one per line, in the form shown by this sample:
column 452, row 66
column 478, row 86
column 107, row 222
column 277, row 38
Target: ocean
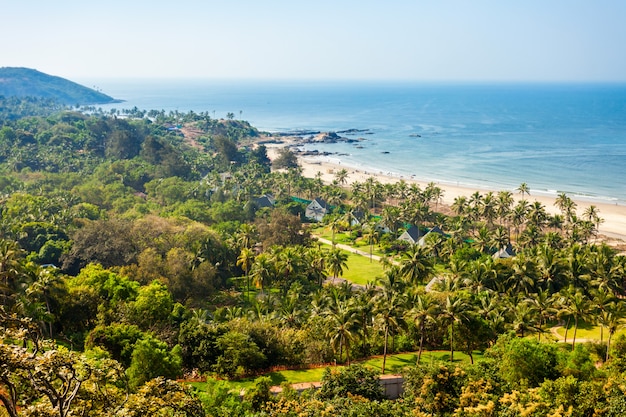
column 556, row 138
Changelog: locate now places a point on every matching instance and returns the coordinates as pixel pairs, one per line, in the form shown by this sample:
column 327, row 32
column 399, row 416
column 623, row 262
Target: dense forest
column 137, row 253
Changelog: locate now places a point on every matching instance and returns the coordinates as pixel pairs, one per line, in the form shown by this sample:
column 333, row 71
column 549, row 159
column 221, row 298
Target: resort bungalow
column 435, row 229
column 357, row 218
column 411, row 235
column 505, row 252
column 317, row 209
column 265, row 201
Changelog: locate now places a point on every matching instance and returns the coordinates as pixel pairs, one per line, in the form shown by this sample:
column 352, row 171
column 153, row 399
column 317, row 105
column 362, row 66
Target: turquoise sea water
column 555, row 137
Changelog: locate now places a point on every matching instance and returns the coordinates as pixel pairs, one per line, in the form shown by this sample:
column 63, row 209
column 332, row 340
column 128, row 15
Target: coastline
column 613, row 228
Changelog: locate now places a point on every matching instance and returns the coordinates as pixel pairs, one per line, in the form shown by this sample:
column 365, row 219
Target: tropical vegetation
column 134, row 253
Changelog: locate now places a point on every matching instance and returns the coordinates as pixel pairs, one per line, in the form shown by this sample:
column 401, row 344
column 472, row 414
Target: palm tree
column 454, row 311
column 579, row 308
column 11, row 269
column 416, row 265
column 247, row 235
column 488, row 208
column 425, row 309
column 542, row 303
column 336, row 224
column 523, row 189
column 337, row 261
column 372, row 234
column 341, row 176
column 616, row 313
column 460, row 205
column 261, row 271
column 504, row 202
column 524, row 316
column 364, row 303
column 390, row 303
column 245, row 260
column 591, row 213
column 344, row 321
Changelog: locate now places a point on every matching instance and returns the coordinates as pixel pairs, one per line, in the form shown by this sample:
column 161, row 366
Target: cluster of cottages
column 318, row 208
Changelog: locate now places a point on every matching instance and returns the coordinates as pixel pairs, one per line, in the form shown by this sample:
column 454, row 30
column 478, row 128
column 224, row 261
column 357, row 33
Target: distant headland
column 26, row 82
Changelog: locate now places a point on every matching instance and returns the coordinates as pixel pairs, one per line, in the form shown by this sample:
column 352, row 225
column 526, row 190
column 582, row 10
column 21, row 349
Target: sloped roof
column 265, row 200
column 411, row 234
column 435, row 229
column 321, row 202
column 505, row 252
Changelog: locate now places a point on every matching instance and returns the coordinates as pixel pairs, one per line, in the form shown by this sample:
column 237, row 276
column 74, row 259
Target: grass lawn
column 344, row 238
column 395, row 364
column 361, row 270
column 587, row 331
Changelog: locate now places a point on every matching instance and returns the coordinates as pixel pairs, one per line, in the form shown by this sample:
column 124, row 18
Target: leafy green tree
column 352, row 380
column 525, row 361
column 152, row 358
column 153, row 306
column 162, row 397
column 240, row 355
column 434, row 389
column 107, row 242
column 118, row 339
column 285, row 159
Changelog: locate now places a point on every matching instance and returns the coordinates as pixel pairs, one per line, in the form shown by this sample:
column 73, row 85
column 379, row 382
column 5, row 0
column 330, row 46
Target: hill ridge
column 27, row 82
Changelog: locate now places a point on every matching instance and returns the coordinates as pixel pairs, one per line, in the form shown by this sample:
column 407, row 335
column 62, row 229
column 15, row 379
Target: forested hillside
column 26, row 82
column 135, row 252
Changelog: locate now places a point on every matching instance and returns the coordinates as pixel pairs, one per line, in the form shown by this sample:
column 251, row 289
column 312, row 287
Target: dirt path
column 555, row 332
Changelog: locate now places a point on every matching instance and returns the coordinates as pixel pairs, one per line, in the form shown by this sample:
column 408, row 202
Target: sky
column 424, row 40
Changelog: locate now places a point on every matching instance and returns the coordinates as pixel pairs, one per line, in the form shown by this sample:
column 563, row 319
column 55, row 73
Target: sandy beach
column 613, row 227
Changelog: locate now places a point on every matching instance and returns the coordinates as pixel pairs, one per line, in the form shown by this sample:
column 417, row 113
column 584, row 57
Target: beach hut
column 317, row 209
column 505, row 252
column 435, row 229
column 411, row 235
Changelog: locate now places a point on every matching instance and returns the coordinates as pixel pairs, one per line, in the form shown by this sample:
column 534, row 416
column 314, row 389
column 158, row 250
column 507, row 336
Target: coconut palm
column 460, row 205
column 245, row 260
column 342, row 328
column 523, row 189
column 424, row 310
column 337, row 262
column 542, row 303
column 616, row 313
column 416, row 265
column 390, row 303
column 454, row 311
column 262, row 271
column 579, row 307
column 341, row 176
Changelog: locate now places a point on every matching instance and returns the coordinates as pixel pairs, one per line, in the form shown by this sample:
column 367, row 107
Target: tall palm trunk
column 575, row 330
column 452, row 342
column 385, row 349
column 608, row 345
column 419, row 354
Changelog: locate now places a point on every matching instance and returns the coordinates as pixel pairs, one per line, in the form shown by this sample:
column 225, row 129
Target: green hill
column 26, row 82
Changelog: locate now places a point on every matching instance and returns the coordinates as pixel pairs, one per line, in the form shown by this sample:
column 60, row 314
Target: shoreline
column 614, row 215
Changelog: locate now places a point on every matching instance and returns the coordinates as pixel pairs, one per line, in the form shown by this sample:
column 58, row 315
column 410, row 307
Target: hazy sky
column 457, row 40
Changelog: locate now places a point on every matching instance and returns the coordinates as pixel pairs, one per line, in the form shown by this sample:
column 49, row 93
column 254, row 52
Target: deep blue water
column 554, row 137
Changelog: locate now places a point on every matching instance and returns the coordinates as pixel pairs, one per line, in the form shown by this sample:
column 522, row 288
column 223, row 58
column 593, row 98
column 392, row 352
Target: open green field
column 395, row 364
column 587, row 331
column 344, row 238
column 361, row 270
